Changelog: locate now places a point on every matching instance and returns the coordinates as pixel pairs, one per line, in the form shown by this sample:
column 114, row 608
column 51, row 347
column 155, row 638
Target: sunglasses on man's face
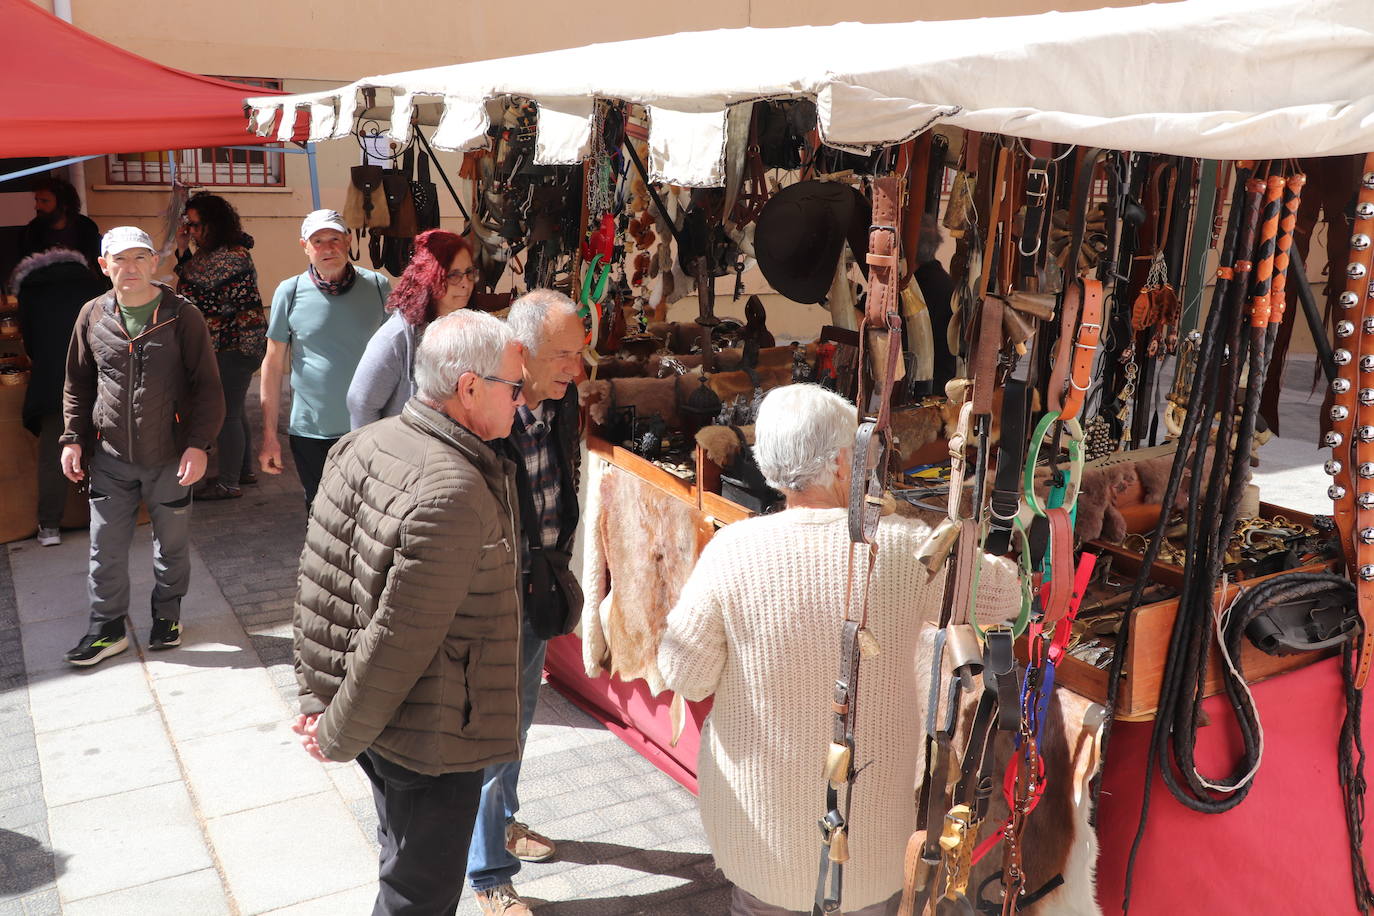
column 458, row 276
column 515, row 387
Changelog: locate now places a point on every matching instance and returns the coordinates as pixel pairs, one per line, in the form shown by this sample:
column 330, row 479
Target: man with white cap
column 142, row 405
column 324, row 319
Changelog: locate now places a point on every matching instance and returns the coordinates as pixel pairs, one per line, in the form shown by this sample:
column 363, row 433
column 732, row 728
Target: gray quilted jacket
column 407, row 617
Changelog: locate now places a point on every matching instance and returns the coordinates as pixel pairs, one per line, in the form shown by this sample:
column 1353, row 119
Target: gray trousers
column 117, row 487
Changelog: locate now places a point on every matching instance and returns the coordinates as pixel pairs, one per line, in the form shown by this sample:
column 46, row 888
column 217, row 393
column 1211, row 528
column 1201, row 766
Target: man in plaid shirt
column 545, row 445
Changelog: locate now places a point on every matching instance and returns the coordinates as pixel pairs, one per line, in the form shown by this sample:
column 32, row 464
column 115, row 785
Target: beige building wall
column 312, row 46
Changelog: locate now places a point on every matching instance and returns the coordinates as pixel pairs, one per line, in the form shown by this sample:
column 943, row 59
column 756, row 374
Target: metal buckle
column 1043, row 176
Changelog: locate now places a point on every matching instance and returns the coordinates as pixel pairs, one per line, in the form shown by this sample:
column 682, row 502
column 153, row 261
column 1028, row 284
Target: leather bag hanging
column 425, row 195
column 365, row 206
column 400, row 204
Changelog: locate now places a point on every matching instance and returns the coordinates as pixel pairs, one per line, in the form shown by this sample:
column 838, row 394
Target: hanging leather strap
column 1351, row 437
column 1073, row 360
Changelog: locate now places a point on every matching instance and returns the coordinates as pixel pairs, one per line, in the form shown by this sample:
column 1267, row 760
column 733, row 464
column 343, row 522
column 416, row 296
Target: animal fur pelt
column 721, row 444
column 642, row 546
column 730, row 385
column 40, row 260
column 914, row 428
column 647, row 395
column 1059, row 838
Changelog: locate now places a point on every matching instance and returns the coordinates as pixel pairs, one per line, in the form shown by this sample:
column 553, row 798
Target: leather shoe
column 502, row 900
column 218, row 491
column 526, row 845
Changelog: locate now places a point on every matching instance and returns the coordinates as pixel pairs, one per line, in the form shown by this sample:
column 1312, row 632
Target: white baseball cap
column 122, row 238
column 322, row 219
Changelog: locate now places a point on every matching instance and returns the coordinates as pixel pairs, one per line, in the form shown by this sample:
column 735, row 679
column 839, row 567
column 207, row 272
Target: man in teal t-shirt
column 324, row 319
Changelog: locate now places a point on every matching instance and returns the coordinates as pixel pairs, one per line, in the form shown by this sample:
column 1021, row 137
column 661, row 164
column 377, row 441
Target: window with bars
column 208, row 166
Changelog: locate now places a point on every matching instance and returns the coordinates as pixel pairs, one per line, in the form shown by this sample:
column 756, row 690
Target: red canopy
column 68, row 93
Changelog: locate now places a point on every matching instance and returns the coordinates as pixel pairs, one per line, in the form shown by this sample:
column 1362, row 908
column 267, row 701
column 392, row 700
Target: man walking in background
column 143, row 404
column 323, row 319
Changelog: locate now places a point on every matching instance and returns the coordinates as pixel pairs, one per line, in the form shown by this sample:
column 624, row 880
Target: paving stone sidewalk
column 170, row 782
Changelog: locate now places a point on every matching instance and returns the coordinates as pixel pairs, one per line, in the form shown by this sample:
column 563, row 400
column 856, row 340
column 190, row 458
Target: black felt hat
column 801, row 233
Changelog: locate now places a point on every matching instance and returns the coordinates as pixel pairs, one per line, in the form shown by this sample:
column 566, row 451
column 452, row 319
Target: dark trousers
column 309, row 455
column 424, row 825
column 52, row 483
column 235, row 440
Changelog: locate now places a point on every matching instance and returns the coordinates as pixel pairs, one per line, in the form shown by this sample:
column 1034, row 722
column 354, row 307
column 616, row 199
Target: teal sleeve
column 279, row 320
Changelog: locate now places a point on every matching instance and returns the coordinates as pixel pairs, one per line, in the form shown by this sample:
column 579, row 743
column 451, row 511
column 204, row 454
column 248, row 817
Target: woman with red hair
column 439, row 279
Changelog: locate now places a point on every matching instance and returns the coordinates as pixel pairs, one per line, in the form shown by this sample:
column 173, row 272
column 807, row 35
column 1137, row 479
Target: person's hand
column 183, row 236
column 269, row 456
column 192, row 466
column 71, row 463
column 308, row 728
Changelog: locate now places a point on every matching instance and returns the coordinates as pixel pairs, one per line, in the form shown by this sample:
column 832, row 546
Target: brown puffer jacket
column 407, row 619
column 148, row 399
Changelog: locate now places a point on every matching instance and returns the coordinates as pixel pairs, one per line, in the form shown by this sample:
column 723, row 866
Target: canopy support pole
column 46, row 167
column 314, row 175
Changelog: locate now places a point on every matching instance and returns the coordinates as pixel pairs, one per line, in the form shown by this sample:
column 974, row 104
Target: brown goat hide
column 649, row 541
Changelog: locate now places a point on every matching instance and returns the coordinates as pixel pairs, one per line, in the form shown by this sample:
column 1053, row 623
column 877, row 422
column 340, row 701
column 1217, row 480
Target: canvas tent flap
column 68, row 93
column 1184, row 78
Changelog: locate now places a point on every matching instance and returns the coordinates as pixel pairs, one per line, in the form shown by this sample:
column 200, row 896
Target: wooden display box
column 1151, row 627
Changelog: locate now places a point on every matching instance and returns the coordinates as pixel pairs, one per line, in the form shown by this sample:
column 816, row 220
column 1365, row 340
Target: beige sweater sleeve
column 692, row 651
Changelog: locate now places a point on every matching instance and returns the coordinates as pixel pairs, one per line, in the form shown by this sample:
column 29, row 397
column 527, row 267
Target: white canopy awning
column 1224, row 79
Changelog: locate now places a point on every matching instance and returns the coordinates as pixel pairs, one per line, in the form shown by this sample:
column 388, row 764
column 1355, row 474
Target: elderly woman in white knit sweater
column 758, row 625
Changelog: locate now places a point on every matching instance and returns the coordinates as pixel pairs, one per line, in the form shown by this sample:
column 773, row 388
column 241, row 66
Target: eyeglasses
column 193, row 224
column 458, row 276
column 515, row 387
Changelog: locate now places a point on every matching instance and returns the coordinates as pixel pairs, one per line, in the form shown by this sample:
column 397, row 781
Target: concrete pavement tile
column 50, row 582
column 248, row 768
column 199, row 893
column 113, row 842
column 357, row 900
column 260, row 851
column 40, row 903
column 349, row 780
column 105, row 758
column 217, row 641
column 116, row 688
column 217, row 700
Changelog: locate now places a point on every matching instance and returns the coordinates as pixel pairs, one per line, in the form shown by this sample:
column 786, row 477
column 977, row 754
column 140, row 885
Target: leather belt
column 1351, row 437
column 1073, row 361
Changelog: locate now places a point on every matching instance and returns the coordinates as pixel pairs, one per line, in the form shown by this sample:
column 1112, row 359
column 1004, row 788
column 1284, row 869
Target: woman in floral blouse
column 221, row 280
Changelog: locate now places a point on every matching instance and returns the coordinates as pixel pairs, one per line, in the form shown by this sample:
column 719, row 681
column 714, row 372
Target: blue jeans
column 489, row 864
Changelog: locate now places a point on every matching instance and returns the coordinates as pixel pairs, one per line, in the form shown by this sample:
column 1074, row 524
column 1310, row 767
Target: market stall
column 1076, row 380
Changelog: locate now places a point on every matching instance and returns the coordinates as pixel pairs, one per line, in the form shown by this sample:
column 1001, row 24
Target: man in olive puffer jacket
column 407, row 619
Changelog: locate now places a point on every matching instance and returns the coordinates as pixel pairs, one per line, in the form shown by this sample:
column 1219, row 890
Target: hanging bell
column 1366, row 433
column 1332, row 440
column 1367, row 535
column 1355, row 270
column 1364, row 210
column 1366, row 470
column 1367, row 572
column 1339, row 413
column 1348, row 300
column 1332, row 467
column 1345, row 328
column 1335, row 493
column 1341, row 357
column 1359, row 241
column 1365, row 500
column 1340, row 385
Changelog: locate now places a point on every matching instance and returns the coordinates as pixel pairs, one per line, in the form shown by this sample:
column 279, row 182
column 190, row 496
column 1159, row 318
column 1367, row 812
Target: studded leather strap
column 1351, row 437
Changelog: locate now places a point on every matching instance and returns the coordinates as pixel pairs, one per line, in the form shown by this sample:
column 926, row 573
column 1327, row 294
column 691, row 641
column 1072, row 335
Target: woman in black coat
column 51, row 287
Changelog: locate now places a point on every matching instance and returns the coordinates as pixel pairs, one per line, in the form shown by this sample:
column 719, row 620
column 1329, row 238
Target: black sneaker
column 104, row 640
column 166, row 633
